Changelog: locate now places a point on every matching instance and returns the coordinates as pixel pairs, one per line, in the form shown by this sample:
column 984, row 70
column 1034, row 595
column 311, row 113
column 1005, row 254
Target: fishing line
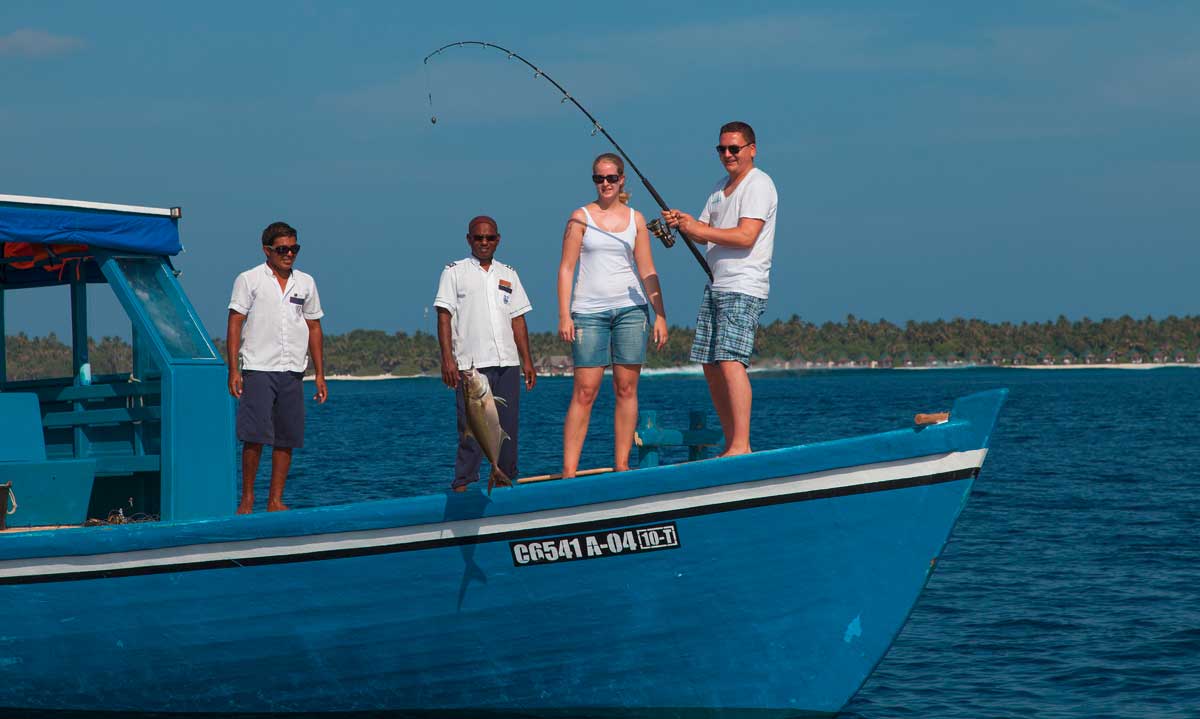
column 656, row 226
column 429, row 92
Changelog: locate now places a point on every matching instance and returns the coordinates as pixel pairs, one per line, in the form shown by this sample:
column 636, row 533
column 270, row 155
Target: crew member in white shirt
column 481, row 307
column 738, row 225
column 274, row 328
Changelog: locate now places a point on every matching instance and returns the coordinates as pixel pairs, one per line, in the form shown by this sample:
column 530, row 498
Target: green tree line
column 36, row 357
column 794, row 341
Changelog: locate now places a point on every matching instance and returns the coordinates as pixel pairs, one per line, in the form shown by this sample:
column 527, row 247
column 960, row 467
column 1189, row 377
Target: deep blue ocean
column 1070, row 587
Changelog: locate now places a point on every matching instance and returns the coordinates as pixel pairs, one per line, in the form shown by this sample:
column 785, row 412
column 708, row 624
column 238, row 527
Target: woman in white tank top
column 606, row 318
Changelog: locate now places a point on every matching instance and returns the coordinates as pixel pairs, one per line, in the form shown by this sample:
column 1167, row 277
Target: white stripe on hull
column 399, row 536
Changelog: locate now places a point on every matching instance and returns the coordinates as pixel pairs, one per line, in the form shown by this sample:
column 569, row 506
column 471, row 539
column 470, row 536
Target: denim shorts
column 611, row 337
column 725, row 327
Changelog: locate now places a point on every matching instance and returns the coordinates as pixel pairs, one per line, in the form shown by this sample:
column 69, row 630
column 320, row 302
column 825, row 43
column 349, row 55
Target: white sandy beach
column 1116, row 365
column 690, row 370
column 370, row 377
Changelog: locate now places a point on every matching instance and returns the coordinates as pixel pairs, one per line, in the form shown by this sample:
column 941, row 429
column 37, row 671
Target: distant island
column 783, row 344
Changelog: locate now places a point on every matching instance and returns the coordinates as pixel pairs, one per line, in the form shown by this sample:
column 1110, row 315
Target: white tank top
column 606, row 279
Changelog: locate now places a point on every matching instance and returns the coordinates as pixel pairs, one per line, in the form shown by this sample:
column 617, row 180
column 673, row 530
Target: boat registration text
column 594, row 545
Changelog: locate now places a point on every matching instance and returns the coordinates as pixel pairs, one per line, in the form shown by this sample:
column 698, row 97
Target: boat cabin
column 157, row 440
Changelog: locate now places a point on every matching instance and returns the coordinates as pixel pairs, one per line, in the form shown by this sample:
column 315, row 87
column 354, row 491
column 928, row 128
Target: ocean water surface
column 1070, row 587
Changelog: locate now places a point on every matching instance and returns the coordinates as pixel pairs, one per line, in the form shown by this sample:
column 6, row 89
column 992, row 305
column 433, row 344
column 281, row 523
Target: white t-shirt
column 482, row 305
column 745, row 270
column 275, row 334
column 606, row 278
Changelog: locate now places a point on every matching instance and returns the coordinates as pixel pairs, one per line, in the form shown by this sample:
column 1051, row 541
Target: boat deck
column 14, row 530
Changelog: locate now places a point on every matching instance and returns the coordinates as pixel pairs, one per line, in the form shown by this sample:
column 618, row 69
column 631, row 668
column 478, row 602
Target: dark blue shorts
column 271, row 410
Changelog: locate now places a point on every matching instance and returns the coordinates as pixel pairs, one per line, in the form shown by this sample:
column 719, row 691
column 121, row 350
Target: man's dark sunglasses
column 611, row 179
column 733, row 149
column 484, row 238
column 286, row 250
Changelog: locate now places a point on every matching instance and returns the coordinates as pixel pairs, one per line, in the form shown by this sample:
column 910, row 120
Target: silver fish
column 483, row 423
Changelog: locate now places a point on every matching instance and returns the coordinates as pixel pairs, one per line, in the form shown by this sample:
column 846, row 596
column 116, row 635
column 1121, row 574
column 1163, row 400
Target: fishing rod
column 660, row 229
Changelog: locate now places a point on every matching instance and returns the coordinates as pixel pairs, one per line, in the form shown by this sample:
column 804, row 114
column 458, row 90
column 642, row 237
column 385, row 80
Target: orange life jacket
column 45, row 256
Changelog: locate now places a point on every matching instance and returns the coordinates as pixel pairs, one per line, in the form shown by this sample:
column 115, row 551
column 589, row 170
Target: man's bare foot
column 619, row 468
column 277, row 507
column 246, row 506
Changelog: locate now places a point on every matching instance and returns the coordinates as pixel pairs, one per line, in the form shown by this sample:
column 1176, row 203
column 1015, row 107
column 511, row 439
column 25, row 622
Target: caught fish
column 483, row 423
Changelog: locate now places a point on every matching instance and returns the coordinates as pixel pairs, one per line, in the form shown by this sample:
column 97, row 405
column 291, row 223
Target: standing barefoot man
column 738, row 225
column 481, row 306
column 274, row 327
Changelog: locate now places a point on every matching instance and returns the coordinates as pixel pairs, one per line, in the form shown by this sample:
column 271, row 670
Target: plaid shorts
column 725, row 327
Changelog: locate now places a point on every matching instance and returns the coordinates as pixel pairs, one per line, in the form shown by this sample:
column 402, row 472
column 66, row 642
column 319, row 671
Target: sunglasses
column 484, row 238
column 287, row 250
column 610, row 179
column 733, row 149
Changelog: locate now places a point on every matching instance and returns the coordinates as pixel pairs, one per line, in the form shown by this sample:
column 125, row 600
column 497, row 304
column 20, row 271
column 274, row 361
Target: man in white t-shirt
column 274, row 327
column 738, row 226
column 481, row 307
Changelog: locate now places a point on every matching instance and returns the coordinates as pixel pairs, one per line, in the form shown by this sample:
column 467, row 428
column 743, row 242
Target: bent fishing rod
column 660, row 229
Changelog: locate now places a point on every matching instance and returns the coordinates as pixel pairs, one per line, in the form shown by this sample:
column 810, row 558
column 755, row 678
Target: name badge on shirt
column 297, row 300
column 506, row 286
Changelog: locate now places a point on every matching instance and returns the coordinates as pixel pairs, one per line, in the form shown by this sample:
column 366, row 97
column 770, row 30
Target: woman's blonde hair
column 623, row 196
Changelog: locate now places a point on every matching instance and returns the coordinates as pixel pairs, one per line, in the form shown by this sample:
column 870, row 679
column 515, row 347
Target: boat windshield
column 164, row 305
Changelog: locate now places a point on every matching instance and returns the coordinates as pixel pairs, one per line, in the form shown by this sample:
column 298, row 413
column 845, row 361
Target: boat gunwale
column 957, row 435
column 607, row 516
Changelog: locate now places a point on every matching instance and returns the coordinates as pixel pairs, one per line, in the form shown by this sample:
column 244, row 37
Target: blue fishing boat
column 764, row 585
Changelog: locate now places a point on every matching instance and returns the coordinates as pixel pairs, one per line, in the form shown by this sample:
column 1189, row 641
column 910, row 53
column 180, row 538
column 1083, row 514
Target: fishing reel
column 662, row 231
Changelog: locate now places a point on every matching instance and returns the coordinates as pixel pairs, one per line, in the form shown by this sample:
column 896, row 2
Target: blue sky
column 1006, row 161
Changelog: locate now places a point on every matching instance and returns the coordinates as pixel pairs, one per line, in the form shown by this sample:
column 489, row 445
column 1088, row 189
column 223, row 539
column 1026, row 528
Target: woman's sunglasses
column 610, row 179
column 733, row 149
column 287, row 250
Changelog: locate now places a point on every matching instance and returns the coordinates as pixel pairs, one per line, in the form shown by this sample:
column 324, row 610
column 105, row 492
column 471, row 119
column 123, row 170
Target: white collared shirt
column 275, row 334
column 482, row 305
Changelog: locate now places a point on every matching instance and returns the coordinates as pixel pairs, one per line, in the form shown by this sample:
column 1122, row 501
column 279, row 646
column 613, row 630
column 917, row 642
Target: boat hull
column 773, row 596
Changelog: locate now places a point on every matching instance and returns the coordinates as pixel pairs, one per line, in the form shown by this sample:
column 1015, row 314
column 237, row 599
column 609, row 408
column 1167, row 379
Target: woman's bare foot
column 246, row 506
column 734, row 451
column 277, row 507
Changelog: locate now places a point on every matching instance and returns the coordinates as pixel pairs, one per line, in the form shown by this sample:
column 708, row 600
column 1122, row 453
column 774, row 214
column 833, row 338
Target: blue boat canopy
column 121, row 228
